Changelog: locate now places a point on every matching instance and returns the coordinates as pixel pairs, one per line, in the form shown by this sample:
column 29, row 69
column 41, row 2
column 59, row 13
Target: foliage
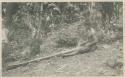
column 52, row 25
column 67, row 37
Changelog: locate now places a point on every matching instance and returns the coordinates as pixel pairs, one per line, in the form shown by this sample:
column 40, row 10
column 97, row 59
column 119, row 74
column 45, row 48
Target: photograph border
column 63, row 1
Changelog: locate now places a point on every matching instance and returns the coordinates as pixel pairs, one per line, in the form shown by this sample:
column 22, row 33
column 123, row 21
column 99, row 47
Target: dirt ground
column 97, row 63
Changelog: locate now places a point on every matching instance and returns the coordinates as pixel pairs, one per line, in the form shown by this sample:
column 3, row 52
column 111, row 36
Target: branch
column 62, row 53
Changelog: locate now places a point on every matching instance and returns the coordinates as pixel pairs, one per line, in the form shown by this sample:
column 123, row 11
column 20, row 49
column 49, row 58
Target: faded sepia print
column 62, row 39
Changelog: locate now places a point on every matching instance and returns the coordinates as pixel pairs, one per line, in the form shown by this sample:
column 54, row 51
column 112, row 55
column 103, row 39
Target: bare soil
column 95, row 63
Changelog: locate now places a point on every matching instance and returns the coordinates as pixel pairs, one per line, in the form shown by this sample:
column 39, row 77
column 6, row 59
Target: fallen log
column 62, row 53
column 84, row 47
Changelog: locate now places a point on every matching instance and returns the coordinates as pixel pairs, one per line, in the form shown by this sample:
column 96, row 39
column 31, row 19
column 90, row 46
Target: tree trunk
column 35, row 44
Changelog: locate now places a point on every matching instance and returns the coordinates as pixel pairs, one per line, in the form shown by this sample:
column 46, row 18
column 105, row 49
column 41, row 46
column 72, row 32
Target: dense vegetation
column 35, row 29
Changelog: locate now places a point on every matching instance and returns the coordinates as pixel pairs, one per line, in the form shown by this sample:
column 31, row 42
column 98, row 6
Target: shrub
column 66, row 37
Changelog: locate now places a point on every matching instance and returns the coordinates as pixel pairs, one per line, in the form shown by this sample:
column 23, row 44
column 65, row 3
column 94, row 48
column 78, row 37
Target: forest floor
column 96, row 63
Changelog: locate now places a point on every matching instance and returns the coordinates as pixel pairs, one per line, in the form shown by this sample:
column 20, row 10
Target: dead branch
column 62, row 53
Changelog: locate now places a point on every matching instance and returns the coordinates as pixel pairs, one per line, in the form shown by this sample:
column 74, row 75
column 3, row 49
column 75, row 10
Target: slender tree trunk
column 35, row 45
